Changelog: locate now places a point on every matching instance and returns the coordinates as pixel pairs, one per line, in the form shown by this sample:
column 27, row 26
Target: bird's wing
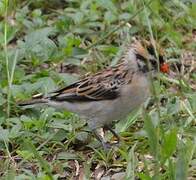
column 103, row 85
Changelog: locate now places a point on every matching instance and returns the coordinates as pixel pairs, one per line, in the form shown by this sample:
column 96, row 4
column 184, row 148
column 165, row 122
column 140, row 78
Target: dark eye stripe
column 152, row 52
column 139, row 56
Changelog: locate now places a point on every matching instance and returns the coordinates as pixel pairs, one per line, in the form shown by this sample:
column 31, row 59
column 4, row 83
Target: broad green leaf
column 169, row 144
column 78, row 17
column 144, row 176
column 110, row 17
column 125, row 16
column 45, row 85
column 109, row 5
column 60, row 125
column 60, row 135
column 15, row 131
column 152, row 135
column 4, row 134
column 38, row 45
column 2, row 99
column 131, row 164
column 66, row 78
column 171, row 169
column 47, row 114
column 181, row 164
column 185, row 154
column 25, row 154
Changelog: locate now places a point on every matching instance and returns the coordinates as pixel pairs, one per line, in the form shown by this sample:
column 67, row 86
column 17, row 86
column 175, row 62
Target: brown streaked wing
column 104, row 85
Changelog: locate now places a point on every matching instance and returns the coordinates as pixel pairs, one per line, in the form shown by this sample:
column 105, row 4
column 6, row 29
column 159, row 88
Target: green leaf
column 45, row 85
column 79, row 51
column 181, row 164
column 125, row 16
column 38, row 45
column 152, row 134
column 47, row 114
column 169, row 144
column 15, row 131
column 109, row 5
column 60, row 135
column 78, row 17
column 40, row 159
column 25, row 154
column 2, row 99
column 67, row 156
column 192, row 11
column 173, row 106
column 171, row 170
column 110, row 17
column 184, row 156
column 144, row 176
column 131, row 164
column 4, row 134
column 192, row 99
column 125, row 124
column 66, row 78
column 60, row 125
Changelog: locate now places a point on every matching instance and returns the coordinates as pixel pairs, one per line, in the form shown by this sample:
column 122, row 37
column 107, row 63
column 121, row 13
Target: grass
column 7, row 61
column 43, row 46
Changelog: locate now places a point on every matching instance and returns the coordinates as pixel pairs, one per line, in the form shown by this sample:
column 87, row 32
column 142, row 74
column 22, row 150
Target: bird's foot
column 108, row 146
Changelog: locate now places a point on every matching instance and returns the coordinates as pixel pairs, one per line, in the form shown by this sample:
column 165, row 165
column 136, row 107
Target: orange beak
column 164, row 68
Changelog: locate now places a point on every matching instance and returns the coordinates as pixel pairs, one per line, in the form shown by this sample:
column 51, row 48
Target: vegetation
column 47, row 44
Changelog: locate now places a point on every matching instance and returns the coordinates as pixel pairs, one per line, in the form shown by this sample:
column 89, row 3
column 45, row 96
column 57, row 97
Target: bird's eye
column 153, row 62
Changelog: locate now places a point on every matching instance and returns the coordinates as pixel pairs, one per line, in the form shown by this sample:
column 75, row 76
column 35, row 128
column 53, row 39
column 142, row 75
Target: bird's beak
column 164, row 68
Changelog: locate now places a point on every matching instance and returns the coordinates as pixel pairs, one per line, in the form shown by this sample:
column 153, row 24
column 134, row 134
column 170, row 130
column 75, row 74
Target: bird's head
column 149, row 56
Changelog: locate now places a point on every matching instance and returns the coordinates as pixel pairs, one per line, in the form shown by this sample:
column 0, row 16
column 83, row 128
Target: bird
column 112, row 93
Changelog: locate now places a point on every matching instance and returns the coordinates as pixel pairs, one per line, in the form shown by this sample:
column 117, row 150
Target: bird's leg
column 101, row 139
column 114, row 133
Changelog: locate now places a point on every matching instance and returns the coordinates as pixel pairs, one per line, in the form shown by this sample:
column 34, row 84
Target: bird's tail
column 33, row 102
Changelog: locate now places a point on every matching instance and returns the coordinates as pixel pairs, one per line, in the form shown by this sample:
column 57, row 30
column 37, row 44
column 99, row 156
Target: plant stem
column 154, row 93
column 6, row 58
